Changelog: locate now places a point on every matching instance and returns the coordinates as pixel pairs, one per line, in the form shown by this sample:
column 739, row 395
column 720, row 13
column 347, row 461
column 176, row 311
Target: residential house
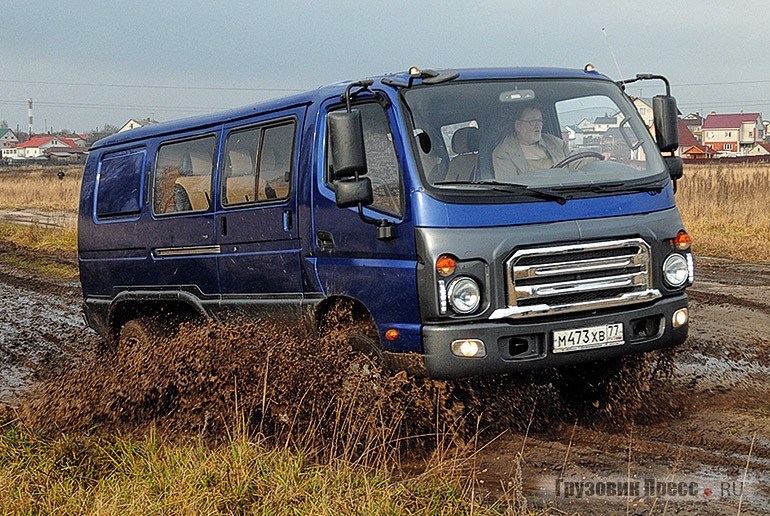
column 686, row 138
column 8, row 142
column 759, row 149
column 38, row 145
column 694, row 123
column 573, row 135
column 644, row 107
column 603, row 123
column 77, row 139
column 134, row 123
column 732, row 133
column 698, row 151
column 8, row 138
column 689, row 146
column 585, row 125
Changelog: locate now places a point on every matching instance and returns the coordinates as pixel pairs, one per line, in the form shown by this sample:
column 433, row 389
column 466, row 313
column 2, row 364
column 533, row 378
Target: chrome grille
column 578, row 277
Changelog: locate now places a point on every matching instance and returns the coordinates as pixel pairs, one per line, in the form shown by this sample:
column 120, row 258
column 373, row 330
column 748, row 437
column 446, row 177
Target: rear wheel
column 142, row 331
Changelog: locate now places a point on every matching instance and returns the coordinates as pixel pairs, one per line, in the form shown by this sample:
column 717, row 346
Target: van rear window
column 119, row 186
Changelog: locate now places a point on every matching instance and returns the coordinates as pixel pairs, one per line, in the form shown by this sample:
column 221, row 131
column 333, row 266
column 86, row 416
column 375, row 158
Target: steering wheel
column 580, row 155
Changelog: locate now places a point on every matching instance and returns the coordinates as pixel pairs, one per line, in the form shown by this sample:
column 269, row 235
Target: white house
column 134, row 123
column 37, row 145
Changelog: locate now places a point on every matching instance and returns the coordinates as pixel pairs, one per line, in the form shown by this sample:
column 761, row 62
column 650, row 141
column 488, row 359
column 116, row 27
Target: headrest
column 465, row 140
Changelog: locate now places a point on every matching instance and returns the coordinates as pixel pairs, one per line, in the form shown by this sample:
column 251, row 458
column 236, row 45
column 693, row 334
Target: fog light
column 469, row 348
column 680, row 317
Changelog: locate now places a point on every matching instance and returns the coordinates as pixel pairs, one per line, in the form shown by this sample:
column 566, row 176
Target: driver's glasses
column 537, row 122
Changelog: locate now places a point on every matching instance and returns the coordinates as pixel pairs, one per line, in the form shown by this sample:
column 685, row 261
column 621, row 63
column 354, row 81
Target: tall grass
column 78, row 474
column 725, row 209
column 40, row 188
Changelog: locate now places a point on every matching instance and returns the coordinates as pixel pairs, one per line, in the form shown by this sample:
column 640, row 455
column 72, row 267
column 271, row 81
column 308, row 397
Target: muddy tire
column 140, row 332
column 348, row 321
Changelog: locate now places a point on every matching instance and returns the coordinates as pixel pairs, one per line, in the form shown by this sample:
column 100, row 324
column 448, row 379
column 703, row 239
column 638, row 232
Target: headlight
column 464, row 295
column 675, row 270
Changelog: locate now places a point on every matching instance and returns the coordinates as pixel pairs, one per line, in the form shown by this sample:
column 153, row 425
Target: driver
column 527, row 147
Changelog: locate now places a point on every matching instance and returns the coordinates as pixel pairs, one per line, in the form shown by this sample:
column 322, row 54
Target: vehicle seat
column 195, row 180
column 240, row 182
column 465, row 143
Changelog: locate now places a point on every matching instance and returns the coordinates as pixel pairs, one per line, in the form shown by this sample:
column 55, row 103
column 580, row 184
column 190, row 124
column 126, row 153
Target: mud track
column 696, row 435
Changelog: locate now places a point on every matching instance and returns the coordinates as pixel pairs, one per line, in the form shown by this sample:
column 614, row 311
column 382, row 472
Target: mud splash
column 292, row 383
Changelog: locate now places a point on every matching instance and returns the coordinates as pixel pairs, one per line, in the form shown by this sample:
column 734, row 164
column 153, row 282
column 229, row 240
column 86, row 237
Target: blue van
column 478, row 221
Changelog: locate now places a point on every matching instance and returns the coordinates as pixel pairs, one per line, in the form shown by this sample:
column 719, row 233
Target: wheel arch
column 173, row 308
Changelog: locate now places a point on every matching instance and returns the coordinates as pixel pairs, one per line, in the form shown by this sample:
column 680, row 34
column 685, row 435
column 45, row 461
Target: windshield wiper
column 514, row 188
column 649, row 186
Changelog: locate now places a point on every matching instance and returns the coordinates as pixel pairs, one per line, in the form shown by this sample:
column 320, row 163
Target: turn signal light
column 446, row 265
column 391, row 334
column 681, row 242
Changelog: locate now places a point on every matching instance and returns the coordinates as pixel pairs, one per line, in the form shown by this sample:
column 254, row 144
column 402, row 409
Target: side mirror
column 666, row 122
column 352, row 192
column 674, row 166
column 346, row 137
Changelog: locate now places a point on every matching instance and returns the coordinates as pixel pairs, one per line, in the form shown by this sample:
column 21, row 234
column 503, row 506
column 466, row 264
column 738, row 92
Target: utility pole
column 29, row 111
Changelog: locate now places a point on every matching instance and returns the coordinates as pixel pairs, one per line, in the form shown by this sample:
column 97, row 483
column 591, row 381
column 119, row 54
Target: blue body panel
column 432, row 213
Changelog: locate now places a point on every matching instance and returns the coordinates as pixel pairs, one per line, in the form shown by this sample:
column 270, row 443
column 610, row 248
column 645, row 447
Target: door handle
column 223, row 225
column 324, row 240
column 287, row 221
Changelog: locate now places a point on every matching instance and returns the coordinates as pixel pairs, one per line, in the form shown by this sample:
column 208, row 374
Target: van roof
column 202, row 122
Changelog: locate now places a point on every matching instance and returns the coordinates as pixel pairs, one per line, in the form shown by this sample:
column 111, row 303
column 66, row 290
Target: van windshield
column 547, row 139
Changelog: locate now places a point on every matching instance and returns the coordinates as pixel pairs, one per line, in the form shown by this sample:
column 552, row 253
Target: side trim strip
column 187, row 251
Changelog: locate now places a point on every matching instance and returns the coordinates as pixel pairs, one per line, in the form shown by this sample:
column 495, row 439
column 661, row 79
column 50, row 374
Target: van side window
column 258, row 164
column 239, row 184
column 381, row 160
column 275, row 162
column 119, row 187
column 183, row 176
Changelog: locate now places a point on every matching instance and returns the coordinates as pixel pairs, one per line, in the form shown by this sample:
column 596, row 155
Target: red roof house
column 732, row 133
column 37, row 145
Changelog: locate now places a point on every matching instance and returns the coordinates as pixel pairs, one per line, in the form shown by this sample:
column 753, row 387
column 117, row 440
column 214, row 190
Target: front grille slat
column 579, row 277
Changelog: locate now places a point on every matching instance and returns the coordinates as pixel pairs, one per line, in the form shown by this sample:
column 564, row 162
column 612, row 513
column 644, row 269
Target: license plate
column 588, row 338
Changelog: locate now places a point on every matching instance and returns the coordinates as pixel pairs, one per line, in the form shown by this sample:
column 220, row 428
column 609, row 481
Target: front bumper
column 521, row 346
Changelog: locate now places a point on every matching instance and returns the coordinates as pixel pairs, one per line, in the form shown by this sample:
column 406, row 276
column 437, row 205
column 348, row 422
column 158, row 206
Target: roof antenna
column 607, row 40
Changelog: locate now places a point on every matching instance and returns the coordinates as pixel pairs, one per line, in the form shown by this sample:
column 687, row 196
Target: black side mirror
column 353, row 192
column 346, row 136
column 666, row 122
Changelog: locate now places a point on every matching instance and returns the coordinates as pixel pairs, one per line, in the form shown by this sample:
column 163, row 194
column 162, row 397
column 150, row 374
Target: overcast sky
column 88, row 63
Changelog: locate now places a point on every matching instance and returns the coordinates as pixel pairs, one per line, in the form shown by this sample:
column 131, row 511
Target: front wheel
column 349, row 321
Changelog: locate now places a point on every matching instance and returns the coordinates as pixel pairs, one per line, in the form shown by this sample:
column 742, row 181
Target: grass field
column 79, row 474
column 40, row 187
column 725, row 209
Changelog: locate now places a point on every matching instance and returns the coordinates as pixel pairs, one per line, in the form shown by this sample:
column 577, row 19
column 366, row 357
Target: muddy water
column 691, row 425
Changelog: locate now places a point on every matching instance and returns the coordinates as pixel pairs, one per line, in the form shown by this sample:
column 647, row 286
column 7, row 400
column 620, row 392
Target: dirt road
column 708, row 453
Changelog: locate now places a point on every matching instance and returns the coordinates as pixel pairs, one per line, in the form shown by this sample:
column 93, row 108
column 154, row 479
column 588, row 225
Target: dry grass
column 40, row 188
column 82, row 474
column 725, row 209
